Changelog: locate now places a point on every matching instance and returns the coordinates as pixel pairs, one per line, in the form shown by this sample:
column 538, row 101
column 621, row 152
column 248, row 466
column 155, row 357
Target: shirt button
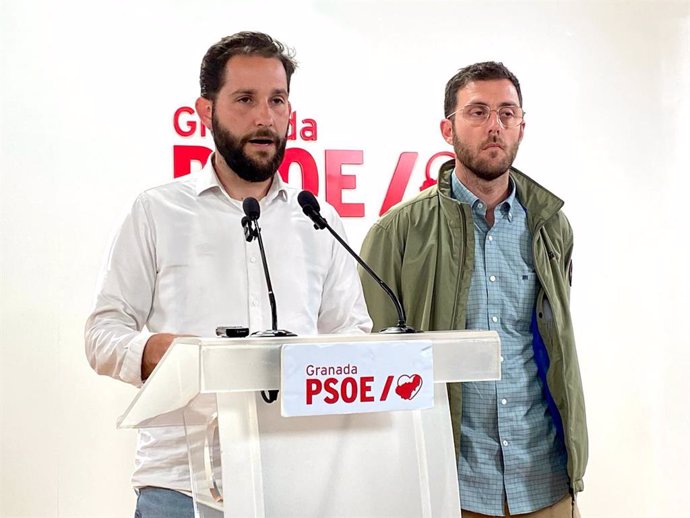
column 252, row 259
column 501, row 357
column 504, row 401
column 492, row 278
column 505, row 443
column 480, row 205
column 255, row 303
column 494, row 319
column 491, row 238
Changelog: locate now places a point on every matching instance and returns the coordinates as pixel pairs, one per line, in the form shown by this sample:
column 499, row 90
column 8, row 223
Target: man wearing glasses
column 489, row 248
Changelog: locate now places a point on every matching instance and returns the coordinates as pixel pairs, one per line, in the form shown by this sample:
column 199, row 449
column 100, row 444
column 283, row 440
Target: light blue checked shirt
column 509, row 448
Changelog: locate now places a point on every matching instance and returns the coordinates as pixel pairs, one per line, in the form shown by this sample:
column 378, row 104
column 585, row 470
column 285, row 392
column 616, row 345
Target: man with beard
column 180, row 265
column 489, row 248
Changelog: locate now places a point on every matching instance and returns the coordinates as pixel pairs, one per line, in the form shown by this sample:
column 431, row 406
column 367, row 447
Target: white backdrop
column 87, row 96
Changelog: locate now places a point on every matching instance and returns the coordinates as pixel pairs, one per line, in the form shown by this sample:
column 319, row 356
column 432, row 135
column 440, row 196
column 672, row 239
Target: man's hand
column 154, row 350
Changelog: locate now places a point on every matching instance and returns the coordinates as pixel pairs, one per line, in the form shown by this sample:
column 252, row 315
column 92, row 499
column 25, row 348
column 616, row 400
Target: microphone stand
column 310, row 207
column 252, row 230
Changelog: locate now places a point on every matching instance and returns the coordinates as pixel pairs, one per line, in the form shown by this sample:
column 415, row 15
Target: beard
column 231, row 148
column 485, row 168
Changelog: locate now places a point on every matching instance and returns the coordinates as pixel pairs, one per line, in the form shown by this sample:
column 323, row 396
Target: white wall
column 87, row 94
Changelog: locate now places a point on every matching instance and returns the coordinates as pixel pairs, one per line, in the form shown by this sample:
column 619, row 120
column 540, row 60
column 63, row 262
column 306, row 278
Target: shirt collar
column 462, row 194
column 208, row 179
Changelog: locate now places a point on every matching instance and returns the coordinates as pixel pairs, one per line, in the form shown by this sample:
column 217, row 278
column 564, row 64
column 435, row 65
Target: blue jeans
column 157, row 502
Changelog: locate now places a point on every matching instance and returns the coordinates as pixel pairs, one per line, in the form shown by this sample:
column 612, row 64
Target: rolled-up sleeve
column 115, row 333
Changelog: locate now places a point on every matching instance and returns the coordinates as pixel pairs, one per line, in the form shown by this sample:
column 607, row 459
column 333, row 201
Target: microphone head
column 251, row 208
column 308, row 201
column 310, row 207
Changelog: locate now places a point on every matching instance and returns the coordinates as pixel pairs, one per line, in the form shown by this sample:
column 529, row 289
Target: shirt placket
column 496, row 273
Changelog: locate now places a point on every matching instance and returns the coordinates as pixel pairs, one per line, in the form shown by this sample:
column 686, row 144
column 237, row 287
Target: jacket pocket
column 545, row 318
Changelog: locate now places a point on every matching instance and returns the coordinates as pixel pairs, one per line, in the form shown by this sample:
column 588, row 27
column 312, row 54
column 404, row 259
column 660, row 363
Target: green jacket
column 424, row 249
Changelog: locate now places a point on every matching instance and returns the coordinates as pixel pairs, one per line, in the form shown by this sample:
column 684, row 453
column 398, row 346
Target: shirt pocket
column 520, row 304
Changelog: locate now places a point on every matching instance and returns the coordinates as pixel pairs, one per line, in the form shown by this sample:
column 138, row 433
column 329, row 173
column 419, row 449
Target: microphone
column 250, row 223
column 252, row 211
column 251, row 208
column 310, row 207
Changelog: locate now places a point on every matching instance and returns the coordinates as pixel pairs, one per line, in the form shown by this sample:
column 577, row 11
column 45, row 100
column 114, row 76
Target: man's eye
column 477, row 112
column 278, row 100
column 507, row 113
column 244, row 100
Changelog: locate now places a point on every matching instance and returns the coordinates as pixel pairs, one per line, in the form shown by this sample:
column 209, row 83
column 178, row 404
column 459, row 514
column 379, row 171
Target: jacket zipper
column 463, row 259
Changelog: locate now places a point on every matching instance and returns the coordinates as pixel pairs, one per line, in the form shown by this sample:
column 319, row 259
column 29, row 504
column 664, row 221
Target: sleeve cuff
column 131, row 368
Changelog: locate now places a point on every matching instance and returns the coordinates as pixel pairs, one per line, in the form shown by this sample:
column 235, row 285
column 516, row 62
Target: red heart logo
column 408, row 386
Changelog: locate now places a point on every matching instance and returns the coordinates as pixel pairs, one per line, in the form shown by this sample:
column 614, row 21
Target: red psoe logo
column 408, row 386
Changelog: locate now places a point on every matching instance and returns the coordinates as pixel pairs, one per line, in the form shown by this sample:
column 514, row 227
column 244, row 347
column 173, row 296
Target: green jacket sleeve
column 383, row 255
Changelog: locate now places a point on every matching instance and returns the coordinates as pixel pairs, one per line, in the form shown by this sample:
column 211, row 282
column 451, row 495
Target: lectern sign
column 348, row 378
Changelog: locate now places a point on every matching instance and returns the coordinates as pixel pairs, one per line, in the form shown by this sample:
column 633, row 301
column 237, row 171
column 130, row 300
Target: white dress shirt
column 180, row 264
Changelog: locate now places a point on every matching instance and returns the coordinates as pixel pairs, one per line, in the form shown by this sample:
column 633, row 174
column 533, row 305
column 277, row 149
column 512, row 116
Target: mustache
column 494, row 139
column 264, row 133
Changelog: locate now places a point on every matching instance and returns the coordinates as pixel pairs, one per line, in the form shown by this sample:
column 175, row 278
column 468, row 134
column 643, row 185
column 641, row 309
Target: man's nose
column 263, row 114
column 494, row 121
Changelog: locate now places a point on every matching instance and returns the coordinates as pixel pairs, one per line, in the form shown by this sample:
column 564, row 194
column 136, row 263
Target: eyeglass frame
column 498, row 117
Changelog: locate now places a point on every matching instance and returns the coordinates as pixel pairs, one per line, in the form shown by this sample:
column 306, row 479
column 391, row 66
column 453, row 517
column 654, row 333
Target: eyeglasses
column 478, row 114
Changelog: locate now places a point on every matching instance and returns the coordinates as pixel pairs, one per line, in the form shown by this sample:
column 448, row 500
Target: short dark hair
column 212, row 75
column 486, row 71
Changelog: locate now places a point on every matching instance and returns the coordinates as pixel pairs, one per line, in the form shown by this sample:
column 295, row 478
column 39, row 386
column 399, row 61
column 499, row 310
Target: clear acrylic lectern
column 247, row 461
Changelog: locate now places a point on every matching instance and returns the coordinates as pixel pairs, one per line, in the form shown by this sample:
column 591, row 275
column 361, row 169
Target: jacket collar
column 540, row 203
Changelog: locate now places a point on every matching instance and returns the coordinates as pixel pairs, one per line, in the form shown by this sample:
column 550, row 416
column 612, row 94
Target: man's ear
column 447, row 130
column 204, row 109
column 522, row 131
